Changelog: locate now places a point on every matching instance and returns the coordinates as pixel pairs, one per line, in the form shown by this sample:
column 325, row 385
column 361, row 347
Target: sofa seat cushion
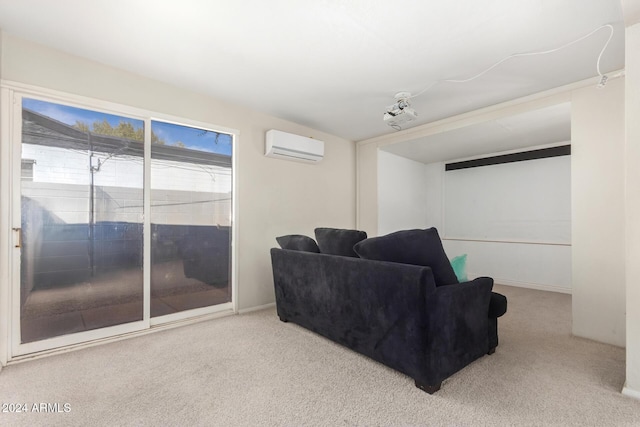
column 497, row 305
column 337, row 241
column 298, row 242
column 417, row 247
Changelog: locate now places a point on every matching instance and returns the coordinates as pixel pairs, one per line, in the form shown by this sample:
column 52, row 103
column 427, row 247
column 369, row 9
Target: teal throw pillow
column 459, row 265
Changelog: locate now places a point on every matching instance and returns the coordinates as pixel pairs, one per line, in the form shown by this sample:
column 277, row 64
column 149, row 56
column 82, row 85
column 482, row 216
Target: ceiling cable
column 603, row 78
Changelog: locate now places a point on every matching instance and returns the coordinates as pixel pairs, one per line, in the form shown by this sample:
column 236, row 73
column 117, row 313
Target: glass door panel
column 191, row 190
column 81, row 218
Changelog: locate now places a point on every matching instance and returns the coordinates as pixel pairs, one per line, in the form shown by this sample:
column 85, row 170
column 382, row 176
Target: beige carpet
column 253, row 370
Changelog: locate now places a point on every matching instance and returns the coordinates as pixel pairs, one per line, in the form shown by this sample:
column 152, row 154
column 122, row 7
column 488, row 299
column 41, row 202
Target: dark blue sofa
column 391, row 312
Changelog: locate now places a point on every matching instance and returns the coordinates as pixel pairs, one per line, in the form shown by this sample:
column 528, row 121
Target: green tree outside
column 123, row 130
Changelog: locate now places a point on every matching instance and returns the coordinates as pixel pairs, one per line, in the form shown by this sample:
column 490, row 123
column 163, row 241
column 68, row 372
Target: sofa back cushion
column 298, row 242
column 417, row 247
column 337, row 241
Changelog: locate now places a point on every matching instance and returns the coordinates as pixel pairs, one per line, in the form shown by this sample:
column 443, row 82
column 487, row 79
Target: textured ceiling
column 334, row 65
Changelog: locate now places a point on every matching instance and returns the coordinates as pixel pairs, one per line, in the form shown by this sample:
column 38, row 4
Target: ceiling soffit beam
column 505, row 109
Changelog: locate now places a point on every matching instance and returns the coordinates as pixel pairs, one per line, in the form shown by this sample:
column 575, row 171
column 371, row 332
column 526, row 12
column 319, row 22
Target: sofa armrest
column 458, row 324
column 497, row 305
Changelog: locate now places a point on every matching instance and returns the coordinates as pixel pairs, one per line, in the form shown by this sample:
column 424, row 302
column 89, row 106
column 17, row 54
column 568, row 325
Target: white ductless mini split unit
column 283, row 145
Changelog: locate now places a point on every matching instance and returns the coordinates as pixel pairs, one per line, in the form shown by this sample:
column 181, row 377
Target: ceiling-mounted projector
column 400, row 112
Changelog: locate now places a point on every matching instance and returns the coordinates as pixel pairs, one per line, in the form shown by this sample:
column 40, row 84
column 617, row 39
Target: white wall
column 435, row 190
column 598, row 220
column 402, row 196
column 4, row 224
column 632, row 156
column 367, row 195
column 525, row 202
column 543, row 267
column 368, row 191
column 522, row 202
column 274, row 197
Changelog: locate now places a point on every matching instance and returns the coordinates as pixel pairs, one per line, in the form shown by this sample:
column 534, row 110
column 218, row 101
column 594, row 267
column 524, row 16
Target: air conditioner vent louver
column 288, row 146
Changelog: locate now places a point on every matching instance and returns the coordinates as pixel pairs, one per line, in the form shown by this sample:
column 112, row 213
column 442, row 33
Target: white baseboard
column 630, row 392
column 536, row 286
column 258, row 308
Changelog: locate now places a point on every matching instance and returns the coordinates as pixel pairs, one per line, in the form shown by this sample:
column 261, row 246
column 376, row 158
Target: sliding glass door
column 190, row 218
column 112, row 234
column 81, row 194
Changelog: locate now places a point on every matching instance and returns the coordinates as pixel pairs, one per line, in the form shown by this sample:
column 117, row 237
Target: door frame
column 11, row 94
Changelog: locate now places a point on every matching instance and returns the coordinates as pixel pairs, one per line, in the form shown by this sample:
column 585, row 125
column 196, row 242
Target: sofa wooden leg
column 491, row 350
column 428, row 388
column 282, row 319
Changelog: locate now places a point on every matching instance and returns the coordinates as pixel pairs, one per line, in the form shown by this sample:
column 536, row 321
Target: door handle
column 19, row 231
